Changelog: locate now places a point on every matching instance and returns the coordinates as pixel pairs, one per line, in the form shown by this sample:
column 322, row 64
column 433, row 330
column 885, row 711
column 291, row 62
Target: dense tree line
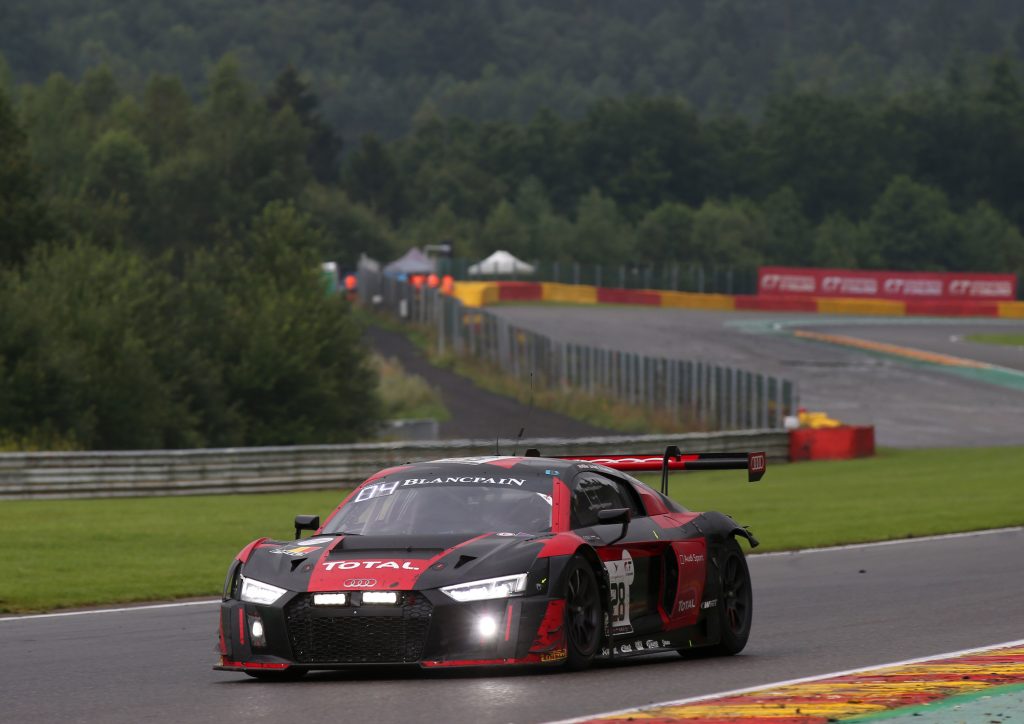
column 159, row 281
column 380, row 63
column 919, row 181
column 158, row 253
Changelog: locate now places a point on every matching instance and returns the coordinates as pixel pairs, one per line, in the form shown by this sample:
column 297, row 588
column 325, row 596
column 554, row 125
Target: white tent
column 500, row 262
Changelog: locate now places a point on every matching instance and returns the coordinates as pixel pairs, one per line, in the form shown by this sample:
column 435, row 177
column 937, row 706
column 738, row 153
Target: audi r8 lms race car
column 494, row 561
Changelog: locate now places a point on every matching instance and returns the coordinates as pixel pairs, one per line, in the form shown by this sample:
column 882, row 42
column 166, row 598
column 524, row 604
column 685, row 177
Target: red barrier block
column 832, row 443
column 940, row 308
column 627, row 296
column 519, row 291
column 777, row 304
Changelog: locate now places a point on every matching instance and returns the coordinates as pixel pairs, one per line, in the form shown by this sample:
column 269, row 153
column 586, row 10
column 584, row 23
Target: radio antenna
column 529, row 411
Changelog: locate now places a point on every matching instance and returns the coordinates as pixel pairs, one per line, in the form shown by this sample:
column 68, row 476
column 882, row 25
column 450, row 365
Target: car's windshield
column 387, row 508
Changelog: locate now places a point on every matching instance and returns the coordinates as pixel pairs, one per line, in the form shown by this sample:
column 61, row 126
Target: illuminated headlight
column 502, row 587
column 330, row 599
column 380, row 597
column 254, row 591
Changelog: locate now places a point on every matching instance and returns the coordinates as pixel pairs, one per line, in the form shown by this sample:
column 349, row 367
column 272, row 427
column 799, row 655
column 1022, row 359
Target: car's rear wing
column 755, row 463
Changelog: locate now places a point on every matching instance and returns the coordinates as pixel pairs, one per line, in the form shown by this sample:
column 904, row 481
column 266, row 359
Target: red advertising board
column 946, row 286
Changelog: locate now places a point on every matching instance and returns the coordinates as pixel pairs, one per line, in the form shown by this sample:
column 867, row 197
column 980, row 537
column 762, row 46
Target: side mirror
column 611, row 516
column 306, row 522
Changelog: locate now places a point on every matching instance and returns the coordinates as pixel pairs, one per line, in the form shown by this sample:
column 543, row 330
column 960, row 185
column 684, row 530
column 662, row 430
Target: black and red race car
column 494, row 561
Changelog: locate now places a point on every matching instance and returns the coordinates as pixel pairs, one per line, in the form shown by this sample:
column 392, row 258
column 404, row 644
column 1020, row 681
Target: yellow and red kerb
column 848, row 696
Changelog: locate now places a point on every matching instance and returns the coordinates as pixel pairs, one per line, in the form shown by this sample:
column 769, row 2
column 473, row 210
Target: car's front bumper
column 426, row 628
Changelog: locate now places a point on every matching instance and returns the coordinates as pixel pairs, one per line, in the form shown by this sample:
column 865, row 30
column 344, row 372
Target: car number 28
column 620, row 577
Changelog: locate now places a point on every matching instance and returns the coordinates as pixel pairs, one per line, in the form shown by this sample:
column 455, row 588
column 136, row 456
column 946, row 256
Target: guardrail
column 306, row 467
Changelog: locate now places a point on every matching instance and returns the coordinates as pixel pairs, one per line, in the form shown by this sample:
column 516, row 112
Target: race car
column 495, row 561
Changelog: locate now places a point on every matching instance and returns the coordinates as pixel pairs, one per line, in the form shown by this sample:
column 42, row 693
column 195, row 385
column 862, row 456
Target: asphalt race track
column 815, row 612
column 910, row 404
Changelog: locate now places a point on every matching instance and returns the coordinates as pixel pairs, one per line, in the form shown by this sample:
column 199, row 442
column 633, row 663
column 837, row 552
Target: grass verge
column 81, row 552
column 60, row 553
column 896, row 494
column 1011, row 340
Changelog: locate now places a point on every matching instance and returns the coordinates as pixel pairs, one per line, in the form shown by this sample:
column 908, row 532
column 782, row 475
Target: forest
column 378, row 64
column 160, row 236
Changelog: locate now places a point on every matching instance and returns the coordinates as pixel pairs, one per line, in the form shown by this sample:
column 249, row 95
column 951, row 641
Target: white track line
column 110, row 610
column 922, row 539
column 894, row 542
column 789, row 682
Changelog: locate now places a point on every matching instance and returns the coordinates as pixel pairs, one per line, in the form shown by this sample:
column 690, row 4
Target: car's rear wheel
column 582, row 614
column 736, row 600
column 291, row 674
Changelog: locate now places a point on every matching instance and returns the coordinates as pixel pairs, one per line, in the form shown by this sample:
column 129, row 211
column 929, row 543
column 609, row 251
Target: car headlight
column 258, row 592
column 501, row 587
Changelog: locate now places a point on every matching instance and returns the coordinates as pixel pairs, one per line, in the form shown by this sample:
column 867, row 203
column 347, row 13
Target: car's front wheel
column 582, row 614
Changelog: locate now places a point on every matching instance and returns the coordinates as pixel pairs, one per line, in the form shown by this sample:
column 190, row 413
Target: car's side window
column 593, row 493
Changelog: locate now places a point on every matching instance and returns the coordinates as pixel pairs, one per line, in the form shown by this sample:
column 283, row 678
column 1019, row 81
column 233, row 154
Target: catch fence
column 696, row 393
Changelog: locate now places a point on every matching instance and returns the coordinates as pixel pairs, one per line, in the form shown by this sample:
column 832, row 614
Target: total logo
column 351, row 565
column 687, row 605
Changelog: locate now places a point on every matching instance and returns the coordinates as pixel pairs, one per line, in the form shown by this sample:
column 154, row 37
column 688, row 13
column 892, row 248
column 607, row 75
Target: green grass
column 59, row 553
column 79, row 552
column 405, row 395
column 897, row 494
column 1009, row 339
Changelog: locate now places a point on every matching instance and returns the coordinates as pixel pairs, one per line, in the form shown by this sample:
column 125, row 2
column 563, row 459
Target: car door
column 634, row 563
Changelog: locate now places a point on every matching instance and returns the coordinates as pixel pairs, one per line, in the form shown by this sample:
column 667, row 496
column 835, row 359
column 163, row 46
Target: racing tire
column 583, row 614
column 291, row 674
column 736, row 601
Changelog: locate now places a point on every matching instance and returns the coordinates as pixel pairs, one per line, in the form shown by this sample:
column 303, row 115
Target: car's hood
column 338, row 563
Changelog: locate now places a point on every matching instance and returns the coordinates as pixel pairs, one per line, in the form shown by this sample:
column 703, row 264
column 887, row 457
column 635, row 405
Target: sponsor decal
column 313, row 541
column 556, row 655
column 685, row 558
column 376, row 490
column 620, row 578
column 635, row 646
column 853, row 286
column 791, row 283
column 352, row 565
column 757, row 462
column 687, row 605
column 360, row 583
column 979, row 288
column 913, row 287
column 295, row 551
column 464, row 479
column 710, row 603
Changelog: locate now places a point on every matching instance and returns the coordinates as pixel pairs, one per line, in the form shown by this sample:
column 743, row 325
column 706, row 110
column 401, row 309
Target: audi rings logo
column 360, row 583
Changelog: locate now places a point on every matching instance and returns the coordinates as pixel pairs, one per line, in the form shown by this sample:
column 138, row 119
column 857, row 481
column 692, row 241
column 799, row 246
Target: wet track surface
column 910, row 404
column 815, row 612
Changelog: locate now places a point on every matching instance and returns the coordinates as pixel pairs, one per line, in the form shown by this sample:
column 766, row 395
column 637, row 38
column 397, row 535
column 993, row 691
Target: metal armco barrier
column 306, row 467
column 697, row 393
